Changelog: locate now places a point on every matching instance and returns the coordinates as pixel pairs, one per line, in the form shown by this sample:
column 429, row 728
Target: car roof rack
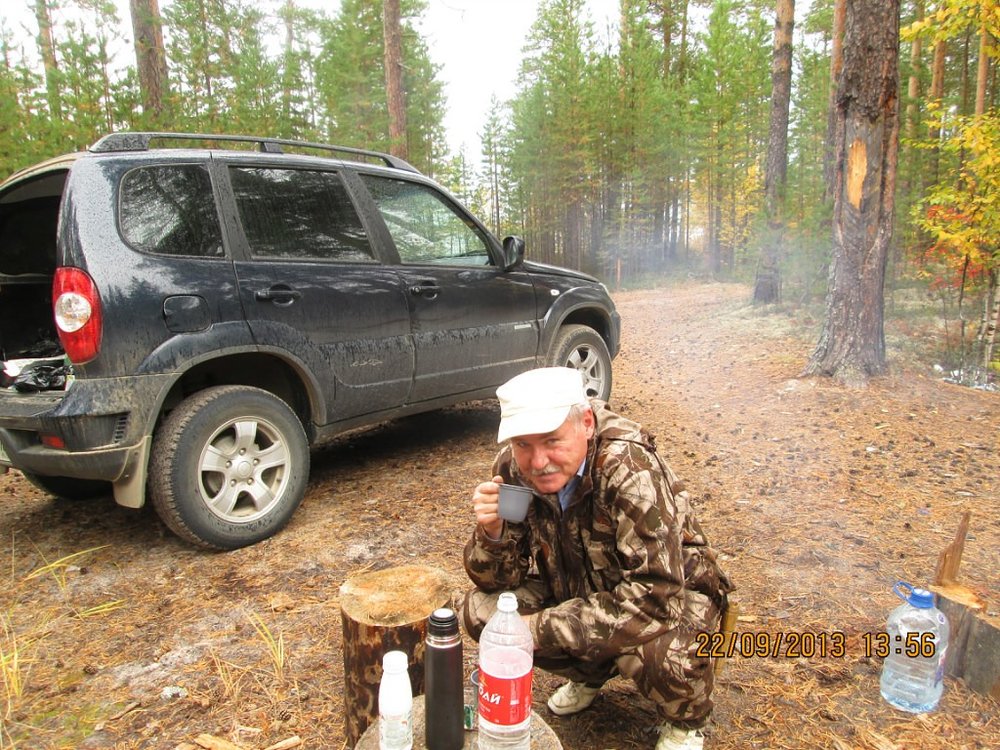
column 139, row 141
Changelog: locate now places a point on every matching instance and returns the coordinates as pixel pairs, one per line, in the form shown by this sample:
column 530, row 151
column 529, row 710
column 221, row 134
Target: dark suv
column 185, row 321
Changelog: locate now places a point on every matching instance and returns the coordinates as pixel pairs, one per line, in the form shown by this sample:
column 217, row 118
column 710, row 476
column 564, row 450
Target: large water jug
column 913, row 671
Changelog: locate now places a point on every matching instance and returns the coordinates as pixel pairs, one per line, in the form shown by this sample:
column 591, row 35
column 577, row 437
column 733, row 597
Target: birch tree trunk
column 852, row 343
column 991, row 311
column 394, row 78
column 991, row 319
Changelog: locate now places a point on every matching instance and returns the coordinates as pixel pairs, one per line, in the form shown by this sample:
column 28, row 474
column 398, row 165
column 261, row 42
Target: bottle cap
column 507, row 602
column 443, row 621
column 394, row 661
column 921, row 599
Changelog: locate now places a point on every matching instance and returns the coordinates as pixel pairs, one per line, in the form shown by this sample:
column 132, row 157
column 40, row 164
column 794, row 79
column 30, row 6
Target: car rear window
column 170, row 210
column 299, row 214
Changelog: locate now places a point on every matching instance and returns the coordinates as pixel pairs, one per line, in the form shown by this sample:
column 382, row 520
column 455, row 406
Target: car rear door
column 311, row 286
column 474, row 325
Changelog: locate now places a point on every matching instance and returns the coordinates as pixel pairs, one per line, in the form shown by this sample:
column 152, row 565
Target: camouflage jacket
column 625, row 562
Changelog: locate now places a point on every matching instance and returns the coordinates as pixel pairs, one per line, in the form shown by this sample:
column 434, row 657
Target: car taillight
column 77, row 309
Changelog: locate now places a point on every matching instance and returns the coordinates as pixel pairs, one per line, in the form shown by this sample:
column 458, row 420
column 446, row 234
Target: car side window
column 299, row 214
column 170, row 210
column 424, row 227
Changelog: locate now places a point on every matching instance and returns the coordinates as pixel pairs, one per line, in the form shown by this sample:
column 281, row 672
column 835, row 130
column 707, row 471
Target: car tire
column 583, row 349
column 69, row 488
column 206, row 481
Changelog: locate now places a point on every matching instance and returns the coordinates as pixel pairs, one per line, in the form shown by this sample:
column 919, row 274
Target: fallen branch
column 209, row 742
column 291, row 742
column 130, row 707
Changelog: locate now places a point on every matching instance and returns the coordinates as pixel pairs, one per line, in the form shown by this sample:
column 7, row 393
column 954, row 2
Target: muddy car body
column 213, row 311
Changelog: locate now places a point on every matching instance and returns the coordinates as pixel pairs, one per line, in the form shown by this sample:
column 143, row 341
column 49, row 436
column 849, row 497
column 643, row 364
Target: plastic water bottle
column 395, row 704
column 912, row 674
column 506, row 653
column 444, row 725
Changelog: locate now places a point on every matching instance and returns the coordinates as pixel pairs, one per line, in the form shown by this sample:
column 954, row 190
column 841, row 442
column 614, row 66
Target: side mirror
column 513, row 252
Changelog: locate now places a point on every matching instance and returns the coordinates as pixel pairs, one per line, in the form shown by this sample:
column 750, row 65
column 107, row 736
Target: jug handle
column 900, row 587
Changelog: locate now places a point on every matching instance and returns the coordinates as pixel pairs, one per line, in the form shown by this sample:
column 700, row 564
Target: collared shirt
column 566, row 493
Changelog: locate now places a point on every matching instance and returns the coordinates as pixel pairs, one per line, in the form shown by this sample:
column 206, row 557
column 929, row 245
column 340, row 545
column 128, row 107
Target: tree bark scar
column 857, row 168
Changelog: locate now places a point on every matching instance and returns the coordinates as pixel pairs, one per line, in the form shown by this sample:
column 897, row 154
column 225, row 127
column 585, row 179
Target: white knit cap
column 538, row 401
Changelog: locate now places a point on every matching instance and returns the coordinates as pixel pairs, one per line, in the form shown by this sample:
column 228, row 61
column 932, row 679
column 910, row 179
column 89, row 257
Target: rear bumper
column 98, row 424
column 40, row 459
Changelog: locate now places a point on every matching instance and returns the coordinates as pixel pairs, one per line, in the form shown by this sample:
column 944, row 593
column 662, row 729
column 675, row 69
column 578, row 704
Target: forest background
column 632, row 157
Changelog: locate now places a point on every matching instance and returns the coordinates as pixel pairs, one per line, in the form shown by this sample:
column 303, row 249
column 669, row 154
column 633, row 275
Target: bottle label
column 504, row 700
column 395, row 732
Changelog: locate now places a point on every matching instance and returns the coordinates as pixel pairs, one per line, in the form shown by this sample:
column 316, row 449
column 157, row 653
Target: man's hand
column 485, row 502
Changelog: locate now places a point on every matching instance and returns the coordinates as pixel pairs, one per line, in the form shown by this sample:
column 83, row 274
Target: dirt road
column 118, row 635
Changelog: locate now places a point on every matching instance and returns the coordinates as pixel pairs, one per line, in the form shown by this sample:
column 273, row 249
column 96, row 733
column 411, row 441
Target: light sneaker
column 675, row 738
column 572, row 698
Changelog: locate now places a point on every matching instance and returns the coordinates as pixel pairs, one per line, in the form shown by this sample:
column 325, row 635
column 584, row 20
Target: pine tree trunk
column 47, row 47
column 781, row 93
column 935, row 95
column 288, row 16
column 982, row 74
column 913, row 89
column 667, row 33
column 682, row 60
column 394, row 78
column 964, row 85
column 150, row 56
column 767, row 286
column 852, row 342
column 836, row 65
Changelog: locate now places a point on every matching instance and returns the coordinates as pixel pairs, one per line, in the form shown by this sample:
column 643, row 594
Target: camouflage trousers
column 665, row 669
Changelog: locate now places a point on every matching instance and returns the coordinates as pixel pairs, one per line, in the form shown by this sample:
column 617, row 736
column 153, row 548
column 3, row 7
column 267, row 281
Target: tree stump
column 974, row 642
column 382, row 611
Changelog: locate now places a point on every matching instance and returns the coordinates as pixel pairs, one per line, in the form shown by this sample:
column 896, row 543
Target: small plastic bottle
column 912, row 674
column 445, row 693
column 506, row 651
column 395, row 704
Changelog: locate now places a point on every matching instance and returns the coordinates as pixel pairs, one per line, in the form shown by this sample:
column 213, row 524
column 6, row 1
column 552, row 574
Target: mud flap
column 130, row 487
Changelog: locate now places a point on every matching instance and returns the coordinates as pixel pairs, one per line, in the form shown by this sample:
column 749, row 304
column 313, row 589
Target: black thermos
column 444, row 687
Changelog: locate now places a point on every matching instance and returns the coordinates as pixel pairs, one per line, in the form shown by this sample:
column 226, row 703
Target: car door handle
column 425, row 289
column 279, row 295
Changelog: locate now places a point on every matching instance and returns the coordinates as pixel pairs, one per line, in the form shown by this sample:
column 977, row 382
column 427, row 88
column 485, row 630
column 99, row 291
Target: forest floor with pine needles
column 818, row 496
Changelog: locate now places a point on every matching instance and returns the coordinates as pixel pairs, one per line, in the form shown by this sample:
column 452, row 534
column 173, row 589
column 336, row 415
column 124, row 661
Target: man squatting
column 623, row 577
